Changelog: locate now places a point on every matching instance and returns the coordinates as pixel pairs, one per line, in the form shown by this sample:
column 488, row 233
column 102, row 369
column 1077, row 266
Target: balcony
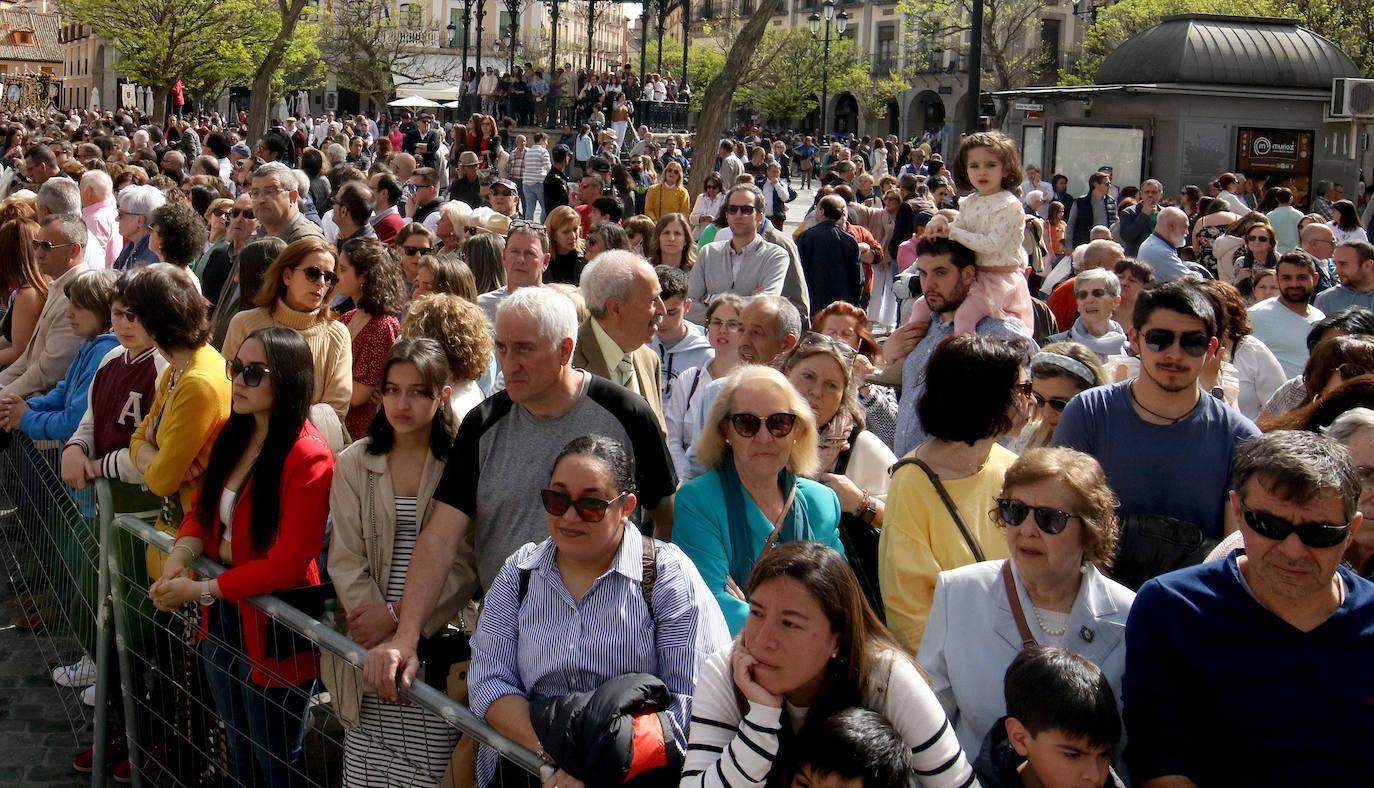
column 938, row 61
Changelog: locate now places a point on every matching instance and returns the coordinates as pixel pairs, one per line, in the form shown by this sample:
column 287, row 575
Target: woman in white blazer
column 1060, row 520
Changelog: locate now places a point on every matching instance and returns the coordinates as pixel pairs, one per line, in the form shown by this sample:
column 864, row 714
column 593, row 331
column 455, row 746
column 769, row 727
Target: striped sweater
column 727, row 749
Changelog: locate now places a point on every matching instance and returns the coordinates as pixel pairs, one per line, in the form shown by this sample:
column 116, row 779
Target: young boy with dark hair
column 680, row 343
column 1061, row 728
column 855, row 748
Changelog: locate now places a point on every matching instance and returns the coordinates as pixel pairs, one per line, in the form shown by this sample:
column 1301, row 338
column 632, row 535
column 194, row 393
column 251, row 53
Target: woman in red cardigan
column 261, row 513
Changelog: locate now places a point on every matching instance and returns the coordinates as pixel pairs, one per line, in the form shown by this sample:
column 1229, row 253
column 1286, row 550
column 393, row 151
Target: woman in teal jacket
column 759, row 441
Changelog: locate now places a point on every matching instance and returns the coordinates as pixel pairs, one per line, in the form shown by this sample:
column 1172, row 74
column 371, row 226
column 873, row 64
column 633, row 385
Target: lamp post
column 481, row 15
column 591, row 29
column 840, row 22
column 975, row 68
column 553, row 42
column 686, row 35
column 1089, row 12
column 513, row 11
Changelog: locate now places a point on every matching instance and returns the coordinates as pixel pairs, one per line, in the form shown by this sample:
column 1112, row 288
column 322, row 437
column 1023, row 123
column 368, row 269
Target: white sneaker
column 88, row 696
column 78, row 674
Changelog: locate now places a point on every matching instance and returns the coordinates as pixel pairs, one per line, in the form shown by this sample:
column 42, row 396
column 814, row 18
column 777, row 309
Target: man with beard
column 1165, row 445
column 947, row 271
column 1282, row 322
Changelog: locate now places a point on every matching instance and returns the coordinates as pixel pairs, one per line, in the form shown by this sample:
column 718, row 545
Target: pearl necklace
column 1059, row 633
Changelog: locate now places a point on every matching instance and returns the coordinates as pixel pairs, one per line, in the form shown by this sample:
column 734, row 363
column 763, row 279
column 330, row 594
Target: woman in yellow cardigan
column 669, row 195
column 296, row 292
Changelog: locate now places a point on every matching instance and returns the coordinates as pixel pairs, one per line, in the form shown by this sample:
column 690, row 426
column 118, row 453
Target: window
column 459, row 37
column 23, row 38
column 1080, row 150
column 885, row 58
column 708, row 9
column 746, row 8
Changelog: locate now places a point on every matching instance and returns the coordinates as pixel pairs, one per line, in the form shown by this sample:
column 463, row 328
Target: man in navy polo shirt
column 1254, row 670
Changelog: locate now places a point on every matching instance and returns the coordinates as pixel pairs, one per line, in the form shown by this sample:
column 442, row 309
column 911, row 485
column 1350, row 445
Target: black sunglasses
column 1012, row 512
column 220, row 214
column 1056, row 403
column 589, row 510
column 1096, row 292
column 252, row 373
column 315, row 273
column 1194, row 343
column 411, row 251
column 1275, row 528
column 744, row 209
column 747, row 424
column 246, row 213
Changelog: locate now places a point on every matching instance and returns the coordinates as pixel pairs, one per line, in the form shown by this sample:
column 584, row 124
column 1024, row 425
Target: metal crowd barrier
column 176, row 681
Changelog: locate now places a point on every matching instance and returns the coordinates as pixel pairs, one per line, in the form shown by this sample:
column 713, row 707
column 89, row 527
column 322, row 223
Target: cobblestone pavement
column 37, row 740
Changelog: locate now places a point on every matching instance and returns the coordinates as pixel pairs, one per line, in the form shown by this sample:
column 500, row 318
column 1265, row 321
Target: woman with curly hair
column 370, row 276
column 465, row 334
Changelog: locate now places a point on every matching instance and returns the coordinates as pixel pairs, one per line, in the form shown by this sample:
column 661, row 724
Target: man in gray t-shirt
column 488, row 498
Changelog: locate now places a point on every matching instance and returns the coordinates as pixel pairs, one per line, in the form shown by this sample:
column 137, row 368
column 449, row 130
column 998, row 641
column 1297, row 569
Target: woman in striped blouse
column 570, row 613
column 810, row 648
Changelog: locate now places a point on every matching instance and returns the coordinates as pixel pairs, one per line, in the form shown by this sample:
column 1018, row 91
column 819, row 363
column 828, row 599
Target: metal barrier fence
column 207, row 704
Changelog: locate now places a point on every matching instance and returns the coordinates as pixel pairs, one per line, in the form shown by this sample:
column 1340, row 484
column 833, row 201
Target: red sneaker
column 123, row 771
column 116, row 751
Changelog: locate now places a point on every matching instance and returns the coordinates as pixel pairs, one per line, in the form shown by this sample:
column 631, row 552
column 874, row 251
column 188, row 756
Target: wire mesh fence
column 247, row 694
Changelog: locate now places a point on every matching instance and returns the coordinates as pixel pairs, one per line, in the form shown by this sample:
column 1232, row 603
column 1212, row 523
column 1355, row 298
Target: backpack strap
column 524, row 588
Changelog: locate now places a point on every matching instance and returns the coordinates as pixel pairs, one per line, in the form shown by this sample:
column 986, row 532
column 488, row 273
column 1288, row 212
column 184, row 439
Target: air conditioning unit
column 1352, row 98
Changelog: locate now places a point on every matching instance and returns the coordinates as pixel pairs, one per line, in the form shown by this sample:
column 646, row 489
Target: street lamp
column 1088, row 9
column 840, row 22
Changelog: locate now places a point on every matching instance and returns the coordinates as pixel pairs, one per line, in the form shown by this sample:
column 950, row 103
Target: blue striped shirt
column 552, row 645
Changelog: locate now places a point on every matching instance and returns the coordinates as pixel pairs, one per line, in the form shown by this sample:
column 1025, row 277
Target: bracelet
column 390, row 608
column 864, row 503
column 179, row 546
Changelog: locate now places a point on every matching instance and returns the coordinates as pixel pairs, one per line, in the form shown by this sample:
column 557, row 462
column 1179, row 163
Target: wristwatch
column 206, row 598
column 867, row 512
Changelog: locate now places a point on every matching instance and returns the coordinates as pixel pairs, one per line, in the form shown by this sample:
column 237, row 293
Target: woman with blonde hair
column 452, row 228
column 669, row 195
column 442, row 274
column 564, row 228
column 671, row 243
column 482, row 253
column 296, row 291
column 759, row 444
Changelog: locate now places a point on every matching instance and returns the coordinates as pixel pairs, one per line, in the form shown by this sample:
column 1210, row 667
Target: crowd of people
column 643, row 454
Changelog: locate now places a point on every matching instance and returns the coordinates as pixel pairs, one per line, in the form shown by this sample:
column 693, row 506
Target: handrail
column 419, row 693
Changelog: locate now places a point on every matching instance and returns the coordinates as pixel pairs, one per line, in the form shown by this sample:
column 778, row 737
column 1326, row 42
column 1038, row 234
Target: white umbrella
column 453, row 104
column 412, row 101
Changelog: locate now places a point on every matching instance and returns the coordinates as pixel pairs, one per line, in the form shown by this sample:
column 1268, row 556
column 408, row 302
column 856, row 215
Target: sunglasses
column 1257, row 238
column 589, row 510
column 1012, row 512
column 411, row 251
column 1024, row 389
column 1094, row 293
column 246, row 213
column 1056, row 403
column 747, row 424
column 220, row 214
column 315, row 273
column 744, row 209
column 48, row 246
column 1275, row 528
column 252, row 373
column 1194, row 343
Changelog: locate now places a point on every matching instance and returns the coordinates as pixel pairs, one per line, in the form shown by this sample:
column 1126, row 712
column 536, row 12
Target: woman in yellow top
column 171, row 446
column 977, row 390
column 669, row 195
column 296, row 292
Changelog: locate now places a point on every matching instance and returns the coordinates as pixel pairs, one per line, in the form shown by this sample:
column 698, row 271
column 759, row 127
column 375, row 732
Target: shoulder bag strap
column 650, row 574
column 375, row 554
column 1027, row 639
column 949, row 503
column 778, row 523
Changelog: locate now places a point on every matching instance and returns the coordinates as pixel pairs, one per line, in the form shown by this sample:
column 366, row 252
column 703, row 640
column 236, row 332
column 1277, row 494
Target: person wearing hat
column 504, row 197
column 422, row 142
column 465, row 186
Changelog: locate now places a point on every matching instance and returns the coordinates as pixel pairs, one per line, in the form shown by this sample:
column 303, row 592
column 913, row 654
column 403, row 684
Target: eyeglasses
column 1012, row 512
column 122, row 314
column 1024, row 389
column 1057, row 403
column 729, row 325
column 1096, row 292
column 1194, row 343
column 744, row 209
column 41, row 245
column 315, row 273
column 747, row 424
column 252, row 373
column 257, row 194
column 411, row 251
column 1275, row 528
column 589, row 510
column 1257, row 238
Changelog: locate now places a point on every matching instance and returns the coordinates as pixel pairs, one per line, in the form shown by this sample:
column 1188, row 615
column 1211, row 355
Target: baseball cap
column 506, row 184
column 241, row 150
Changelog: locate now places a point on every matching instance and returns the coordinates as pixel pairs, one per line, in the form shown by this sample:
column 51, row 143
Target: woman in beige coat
column 381, row 496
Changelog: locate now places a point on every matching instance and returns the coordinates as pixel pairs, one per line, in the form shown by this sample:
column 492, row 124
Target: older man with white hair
column 1160, row 250
column 136, row 206
column 101, row 216
column 624, row 298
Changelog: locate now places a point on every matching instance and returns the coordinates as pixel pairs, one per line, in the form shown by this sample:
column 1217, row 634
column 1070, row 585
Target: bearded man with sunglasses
column 1254, row 670
column 1166, row 445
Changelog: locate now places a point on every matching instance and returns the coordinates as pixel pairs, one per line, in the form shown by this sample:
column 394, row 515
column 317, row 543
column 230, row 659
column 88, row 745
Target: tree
column 721, row 90
column 163, row 40
column 371, row 52
column 704, row 62
column 875, row 95
column 786, row 74
column 1117, row 23
column 1346, row 22
column 277, row 33
column 1012, row 55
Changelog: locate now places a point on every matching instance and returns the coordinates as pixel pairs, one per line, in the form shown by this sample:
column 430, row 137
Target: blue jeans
column 262, row 724
column 534, row 195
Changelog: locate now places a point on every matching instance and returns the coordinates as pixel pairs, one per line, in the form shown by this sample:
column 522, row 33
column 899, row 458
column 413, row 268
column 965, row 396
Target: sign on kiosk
column 1282, row 156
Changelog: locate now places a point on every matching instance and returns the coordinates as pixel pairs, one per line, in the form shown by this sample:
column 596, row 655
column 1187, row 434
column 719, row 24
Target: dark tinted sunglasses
column 589, row 510
column 744, row 209
column 747, row 424
column 220, row 214
column 411, row 251
column 1094, row 293
column 1194, row 343
column 252, row 373
column 246, row 213
column 1257, row 238
column 1273, row 527
column 1056, row 403
column 315, row 273
column 1013, row 511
